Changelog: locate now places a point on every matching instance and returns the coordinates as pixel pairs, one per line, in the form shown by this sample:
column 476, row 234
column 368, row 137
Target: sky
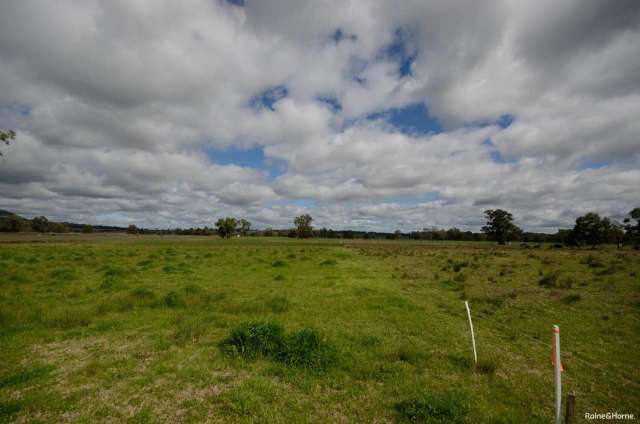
column 369, row 115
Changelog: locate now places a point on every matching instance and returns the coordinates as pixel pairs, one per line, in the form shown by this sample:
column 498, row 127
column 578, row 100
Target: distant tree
column 58, row 227
column 245, row 226
column 632, row 231
column 132, row 229
column 87, row 229
column 226, row 227
column 6, row 137
column 268, row 232
column 40, row 224
column 303, row 225
column 591, row 229
column 500, row 226
column 14, row 224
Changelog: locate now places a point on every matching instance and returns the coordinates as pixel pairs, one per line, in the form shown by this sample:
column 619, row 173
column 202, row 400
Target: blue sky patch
column 269, row 97
column 247, row 158
column 332, row 101
column 414, row 119
column 593, row 164
column 495, row 154
column 399, row 51
column 339, row 36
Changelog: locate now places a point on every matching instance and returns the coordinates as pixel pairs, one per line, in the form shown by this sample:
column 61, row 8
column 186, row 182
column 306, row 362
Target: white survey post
column 473, row 337
column 558, row 372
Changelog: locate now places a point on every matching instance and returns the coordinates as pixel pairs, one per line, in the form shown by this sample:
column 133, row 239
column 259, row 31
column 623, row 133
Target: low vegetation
column 142, row 328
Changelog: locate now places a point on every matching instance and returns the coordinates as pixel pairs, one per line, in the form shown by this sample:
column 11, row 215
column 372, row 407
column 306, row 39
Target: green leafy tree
column 14, row 224
column 303, row 225
column 40, row 224
column 591, row 229
column 226, row 227
column 500, row 226
column 245, row 226
column 132, row 229
column 6, row 137
column 633, row 230
column 87, row 229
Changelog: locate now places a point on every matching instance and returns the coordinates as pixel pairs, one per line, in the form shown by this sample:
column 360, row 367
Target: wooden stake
column 570, row 413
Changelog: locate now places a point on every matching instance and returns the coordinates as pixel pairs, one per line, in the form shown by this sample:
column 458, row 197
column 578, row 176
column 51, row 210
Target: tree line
column 589, row 230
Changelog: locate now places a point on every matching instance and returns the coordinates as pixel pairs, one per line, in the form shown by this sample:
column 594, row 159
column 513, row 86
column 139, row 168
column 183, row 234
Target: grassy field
column 178, row 329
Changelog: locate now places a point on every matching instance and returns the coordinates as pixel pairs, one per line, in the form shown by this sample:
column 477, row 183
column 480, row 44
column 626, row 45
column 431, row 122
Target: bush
column 329, row 262
column 278, row 264
column 306, row 349
column 430, row 408
column 254, row 339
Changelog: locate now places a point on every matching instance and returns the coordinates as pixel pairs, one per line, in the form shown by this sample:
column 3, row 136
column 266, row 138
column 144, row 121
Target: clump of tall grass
column 303, row 349
column 553, row 280
column 255, row 338
column 434, row 408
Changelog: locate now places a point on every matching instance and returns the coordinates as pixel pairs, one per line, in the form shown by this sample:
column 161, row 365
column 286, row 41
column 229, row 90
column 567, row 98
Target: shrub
column 279, row 277
column 431, row 408
column 253, row 339
column 306, row 349
column 278, row 264
column 329, row 262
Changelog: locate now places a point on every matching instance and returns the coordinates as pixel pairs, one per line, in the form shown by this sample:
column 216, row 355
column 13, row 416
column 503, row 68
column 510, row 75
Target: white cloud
column 117, row 104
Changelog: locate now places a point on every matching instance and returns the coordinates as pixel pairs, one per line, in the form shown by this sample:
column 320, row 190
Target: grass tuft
column 434, row 408
column 255, row 338
column 307, row 349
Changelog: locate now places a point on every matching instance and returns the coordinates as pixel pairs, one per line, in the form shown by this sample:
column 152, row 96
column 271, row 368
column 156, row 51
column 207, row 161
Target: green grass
column 140, row 329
